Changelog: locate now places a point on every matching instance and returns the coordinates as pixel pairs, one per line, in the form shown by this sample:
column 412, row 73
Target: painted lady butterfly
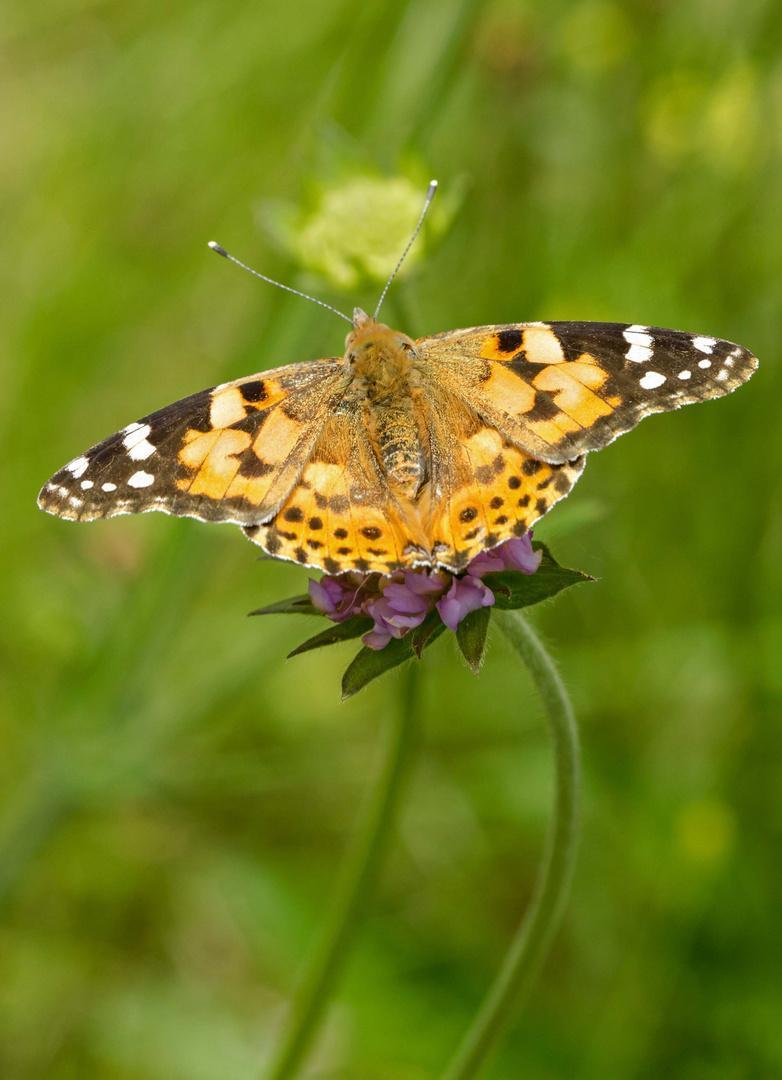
column 400, row 453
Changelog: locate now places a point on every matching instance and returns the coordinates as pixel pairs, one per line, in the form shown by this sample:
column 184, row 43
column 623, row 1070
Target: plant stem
column 530, row 945
column 356, row 879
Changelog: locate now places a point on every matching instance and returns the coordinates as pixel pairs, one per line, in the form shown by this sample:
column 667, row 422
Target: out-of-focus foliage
column 175, row 794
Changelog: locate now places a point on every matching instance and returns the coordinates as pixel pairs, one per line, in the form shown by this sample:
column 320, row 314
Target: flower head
column 356, row 228
column 399, row 603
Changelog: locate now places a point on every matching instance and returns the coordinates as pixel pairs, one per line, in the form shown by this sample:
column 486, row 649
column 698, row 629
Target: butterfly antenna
column 429, row 196
column 221, row 251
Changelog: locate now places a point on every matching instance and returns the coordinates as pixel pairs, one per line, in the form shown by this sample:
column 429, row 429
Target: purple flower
column 336, row 598
column 402, row 605
column 465, row 595
column 399, row 603
column 397, row 616
column 428, row 582
column 376, row 639
column 515, row 554
column 488, row 562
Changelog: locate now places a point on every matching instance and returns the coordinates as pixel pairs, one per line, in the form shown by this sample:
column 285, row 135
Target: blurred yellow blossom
column 357, row 230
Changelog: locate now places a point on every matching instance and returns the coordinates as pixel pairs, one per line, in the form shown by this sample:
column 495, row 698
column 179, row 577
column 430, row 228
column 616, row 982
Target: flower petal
column 321, row 598
column 517, row 554
column 465, row 595
column 426, row 583
column 376, row 639
column 487, row 562
column 401, row 599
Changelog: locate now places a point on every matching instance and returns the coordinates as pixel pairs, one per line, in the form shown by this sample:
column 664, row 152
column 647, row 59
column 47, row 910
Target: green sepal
column 351, row 628
column 471, row 637
column 370, row 664
column 294, row 605
column 513, row 589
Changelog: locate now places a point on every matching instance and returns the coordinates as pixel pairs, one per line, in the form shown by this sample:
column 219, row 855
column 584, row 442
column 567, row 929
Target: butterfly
column 401, row 452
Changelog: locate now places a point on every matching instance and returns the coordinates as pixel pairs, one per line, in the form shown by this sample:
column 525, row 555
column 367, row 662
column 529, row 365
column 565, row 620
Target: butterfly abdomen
column 396, row 437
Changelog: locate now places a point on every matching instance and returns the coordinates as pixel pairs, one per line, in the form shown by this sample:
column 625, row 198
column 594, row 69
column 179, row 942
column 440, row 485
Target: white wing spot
column 638, row 353
column 651, row 380
column 705, row 344
column 729, row 361
column 135, row 442
column 704, row 363
column 108, row 487
column 685, row 374
column 78, row 466
column 86, row 484
column 637, row 335
column 131, row 427
column 135, row 433
column 141, row 480
column 722, row 375
column 75, row 502
column 141, row 450
column 639, row 340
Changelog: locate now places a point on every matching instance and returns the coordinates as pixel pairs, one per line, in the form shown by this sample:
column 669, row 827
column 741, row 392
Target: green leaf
column 369, row 664
column 471, row 637
column 515, row 590
column 426, row 633
column 294, row 605
column 346, row 631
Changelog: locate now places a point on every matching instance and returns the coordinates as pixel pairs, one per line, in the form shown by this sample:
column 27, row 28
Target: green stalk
column 533, row 938
column 354, row 886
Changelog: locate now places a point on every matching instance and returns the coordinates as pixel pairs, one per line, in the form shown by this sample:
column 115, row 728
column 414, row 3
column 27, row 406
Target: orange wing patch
column 569, row 394
column 241, row 462
column 212, row 458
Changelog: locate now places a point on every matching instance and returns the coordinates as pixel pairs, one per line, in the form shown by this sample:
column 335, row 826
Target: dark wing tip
column 58, row 499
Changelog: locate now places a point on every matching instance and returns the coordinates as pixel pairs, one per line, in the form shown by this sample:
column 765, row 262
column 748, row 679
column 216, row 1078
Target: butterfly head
column 375, row 352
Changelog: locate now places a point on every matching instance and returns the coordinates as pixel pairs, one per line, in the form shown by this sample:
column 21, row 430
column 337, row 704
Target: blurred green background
column 175, row 795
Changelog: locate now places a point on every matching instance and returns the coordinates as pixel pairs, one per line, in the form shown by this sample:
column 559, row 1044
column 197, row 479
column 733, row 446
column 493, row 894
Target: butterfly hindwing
column 342, row 515
column 224, row 454
column 560, row 389
column 484, row 489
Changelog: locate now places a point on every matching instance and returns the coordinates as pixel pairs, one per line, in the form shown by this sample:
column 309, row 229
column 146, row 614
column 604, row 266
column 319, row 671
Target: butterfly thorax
column 386, row 383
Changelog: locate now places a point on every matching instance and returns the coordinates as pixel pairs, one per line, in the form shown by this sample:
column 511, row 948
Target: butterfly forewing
column 224, row 454
column 560, row 389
